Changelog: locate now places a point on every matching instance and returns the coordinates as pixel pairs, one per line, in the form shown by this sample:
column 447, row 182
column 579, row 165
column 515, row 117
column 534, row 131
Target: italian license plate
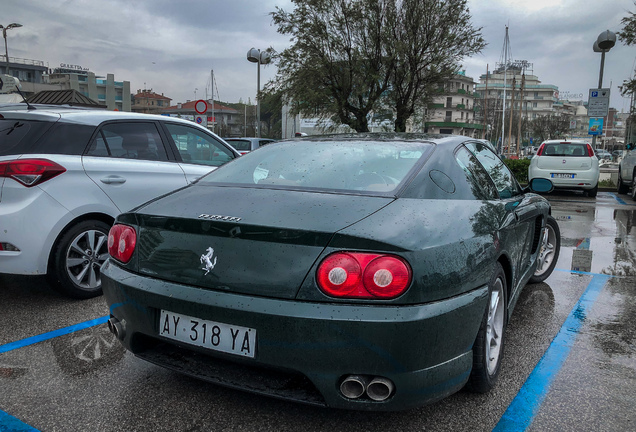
column 214, row 335
column 562, row 175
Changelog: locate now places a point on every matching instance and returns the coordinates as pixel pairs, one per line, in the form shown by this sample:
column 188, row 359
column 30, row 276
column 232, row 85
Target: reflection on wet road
column 569, row 364
column 594, row 386
column 598, row 239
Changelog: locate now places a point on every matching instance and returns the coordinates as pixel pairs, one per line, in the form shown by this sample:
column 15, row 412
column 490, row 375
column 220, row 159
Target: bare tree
column 336, row 66
column 353, row 58
column 551, row 126
column 430, row 39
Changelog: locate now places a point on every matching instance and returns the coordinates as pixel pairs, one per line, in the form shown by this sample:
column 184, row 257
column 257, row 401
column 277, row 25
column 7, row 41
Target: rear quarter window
column 19, row 136
column 65, row 138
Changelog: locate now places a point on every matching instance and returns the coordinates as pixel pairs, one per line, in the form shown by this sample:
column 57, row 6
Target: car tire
column 592, row 192
column 77, row 257
column 621, row 187
column 549, row 249
column 489, row 344
column 633, row 194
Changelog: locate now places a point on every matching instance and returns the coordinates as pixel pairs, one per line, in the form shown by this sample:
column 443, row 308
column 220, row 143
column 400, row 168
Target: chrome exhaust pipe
column 380, row 389
column 116, row 327
column 353, row 386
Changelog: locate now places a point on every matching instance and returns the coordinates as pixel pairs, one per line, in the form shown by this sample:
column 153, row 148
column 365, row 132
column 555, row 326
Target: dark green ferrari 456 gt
column 371, row 272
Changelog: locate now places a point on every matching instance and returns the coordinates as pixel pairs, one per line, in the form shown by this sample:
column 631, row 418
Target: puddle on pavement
column 598, row 240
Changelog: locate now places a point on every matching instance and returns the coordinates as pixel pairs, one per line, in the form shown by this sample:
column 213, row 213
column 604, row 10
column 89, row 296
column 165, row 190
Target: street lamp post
column 605, row 41
column 4, row 34
column 256, row 56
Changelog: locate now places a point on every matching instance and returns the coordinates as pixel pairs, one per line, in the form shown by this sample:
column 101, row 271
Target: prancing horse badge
column 207, row 259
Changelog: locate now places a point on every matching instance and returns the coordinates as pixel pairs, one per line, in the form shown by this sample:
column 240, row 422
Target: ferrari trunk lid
column 243, row 240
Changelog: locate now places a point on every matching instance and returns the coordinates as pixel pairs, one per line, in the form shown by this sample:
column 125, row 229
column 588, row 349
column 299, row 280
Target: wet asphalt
column 569, row 365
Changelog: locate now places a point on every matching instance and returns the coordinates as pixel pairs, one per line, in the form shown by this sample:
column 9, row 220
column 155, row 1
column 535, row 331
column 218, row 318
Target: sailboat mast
column 506, row 51
column 212, row 99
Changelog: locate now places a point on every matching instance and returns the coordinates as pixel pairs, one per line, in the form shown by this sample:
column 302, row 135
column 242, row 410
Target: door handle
column 113, row 180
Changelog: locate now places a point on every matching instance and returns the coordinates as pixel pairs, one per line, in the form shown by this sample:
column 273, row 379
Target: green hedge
column 519, row 168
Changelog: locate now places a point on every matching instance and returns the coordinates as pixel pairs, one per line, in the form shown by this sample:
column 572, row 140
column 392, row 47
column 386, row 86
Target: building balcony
column 16, row 60
column 458, row 123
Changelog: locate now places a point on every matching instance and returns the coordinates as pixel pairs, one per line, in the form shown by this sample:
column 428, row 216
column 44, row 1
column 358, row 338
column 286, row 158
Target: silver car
column 65, row 174
column 627, row 172
column 246, row 145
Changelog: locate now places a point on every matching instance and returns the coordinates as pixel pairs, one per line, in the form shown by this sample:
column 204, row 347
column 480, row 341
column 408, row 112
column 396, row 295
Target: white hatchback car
column 65, row 173
column 568, row 164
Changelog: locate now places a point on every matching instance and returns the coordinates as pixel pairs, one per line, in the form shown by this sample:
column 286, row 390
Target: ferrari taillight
column 540, row 151
column 363, row 275
column 30, row 172
column 122, row 240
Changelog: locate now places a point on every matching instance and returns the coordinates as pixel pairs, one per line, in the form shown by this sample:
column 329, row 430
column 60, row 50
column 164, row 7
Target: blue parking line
column 525, row 406
column 50, row 335
column 8, row 423
column 617, row 198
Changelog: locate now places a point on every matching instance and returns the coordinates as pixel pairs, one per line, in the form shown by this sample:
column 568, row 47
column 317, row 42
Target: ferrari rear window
column 368, row 166
column 566, row 149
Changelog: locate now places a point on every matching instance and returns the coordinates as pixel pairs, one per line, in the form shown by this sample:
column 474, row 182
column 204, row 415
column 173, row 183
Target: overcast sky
column 172, row 46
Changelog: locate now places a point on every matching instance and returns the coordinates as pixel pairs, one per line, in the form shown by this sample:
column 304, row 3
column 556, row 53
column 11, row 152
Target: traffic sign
column 201, row 119
column 201, row 106
column 598, row 103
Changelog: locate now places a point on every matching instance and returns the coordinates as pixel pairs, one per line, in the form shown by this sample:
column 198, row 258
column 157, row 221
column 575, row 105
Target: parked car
column 568, row 164
column 627, row 172
column 603, row 154
column 65, row 173
column 371, row 272
column 617, row 154
column 246, row 145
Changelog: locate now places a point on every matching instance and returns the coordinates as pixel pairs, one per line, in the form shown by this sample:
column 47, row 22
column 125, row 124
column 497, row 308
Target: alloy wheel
column 546, row 253
column 495, row 326
column 84, row 257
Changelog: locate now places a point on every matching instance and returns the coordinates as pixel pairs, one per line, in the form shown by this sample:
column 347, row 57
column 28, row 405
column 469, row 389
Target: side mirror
column 540, row 185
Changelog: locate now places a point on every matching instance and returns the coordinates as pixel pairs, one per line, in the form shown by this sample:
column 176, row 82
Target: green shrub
column 519, row 168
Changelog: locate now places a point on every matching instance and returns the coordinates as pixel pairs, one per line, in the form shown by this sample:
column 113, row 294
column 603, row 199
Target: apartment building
column 31, row 74
column 114, row 94
column 148, row 102
column 538, row 99
column 453, row 109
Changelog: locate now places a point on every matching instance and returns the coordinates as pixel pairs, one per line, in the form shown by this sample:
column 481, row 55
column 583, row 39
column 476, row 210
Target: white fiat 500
column 568, row 164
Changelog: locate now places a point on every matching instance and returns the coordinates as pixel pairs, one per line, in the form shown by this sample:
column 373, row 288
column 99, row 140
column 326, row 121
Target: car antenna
column 29, row 106
column 9, row 83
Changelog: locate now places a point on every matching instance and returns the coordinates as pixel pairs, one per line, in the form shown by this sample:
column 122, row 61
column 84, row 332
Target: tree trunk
column 402, row 116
